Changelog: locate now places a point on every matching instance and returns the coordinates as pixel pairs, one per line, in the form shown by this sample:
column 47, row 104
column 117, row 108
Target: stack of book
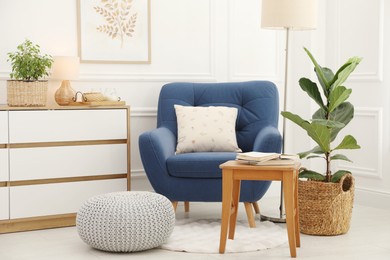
column 259, row 158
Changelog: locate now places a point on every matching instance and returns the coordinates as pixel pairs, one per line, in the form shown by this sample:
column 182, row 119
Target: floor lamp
column 287, row 15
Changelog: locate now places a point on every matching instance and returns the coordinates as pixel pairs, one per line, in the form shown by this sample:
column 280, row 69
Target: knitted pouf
column 126, row 221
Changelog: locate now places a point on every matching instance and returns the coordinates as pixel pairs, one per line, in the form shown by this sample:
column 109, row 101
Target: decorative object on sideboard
column 326, row 200
column 95, row 99
column 65, row 68
column 94, row 96
column 287, row 15
column 26, row 87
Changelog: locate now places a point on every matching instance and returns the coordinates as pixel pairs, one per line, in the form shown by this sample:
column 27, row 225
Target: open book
column 259, row 158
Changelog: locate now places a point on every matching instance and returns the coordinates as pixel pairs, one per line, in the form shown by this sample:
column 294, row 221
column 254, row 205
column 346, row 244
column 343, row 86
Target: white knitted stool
column 126, row 221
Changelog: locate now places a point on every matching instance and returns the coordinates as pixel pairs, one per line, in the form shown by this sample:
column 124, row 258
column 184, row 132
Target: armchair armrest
column 268, row 140
column 155, row 147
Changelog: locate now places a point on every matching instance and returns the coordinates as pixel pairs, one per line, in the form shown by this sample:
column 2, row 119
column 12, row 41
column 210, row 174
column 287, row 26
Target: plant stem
column 328, row 170
column 327, row 155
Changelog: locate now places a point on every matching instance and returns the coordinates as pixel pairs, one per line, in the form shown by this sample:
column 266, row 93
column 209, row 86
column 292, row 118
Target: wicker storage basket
column 326, row 208
column 26, row 93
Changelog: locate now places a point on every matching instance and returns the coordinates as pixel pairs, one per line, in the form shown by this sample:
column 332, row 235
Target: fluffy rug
column 202, row 236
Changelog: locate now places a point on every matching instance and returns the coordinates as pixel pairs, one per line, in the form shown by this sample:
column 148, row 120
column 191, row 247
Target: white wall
column 364, row 31
column 221, row 40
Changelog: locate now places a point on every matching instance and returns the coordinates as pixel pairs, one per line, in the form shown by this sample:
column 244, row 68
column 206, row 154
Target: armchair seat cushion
column 204, row 165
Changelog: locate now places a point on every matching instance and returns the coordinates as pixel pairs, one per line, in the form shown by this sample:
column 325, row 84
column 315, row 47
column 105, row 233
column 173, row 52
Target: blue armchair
column 196, row 176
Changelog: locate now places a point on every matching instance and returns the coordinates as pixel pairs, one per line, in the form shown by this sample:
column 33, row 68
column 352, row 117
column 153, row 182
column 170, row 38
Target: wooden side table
column 232, row 174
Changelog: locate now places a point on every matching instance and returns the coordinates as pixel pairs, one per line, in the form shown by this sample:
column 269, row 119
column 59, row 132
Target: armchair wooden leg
column 256, row 207
column 174, row 204
column 249, row 214
column 186, row 206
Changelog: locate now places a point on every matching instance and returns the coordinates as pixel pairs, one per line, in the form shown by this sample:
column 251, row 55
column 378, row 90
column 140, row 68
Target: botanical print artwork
column 121, row 22
column 114, row 31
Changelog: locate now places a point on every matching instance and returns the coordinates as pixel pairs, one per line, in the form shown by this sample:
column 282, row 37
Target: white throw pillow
column 206, row 129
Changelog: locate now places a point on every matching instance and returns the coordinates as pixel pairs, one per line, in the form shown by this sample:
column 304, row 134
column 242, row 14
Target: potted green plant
column 326, row 199
column 29, row 67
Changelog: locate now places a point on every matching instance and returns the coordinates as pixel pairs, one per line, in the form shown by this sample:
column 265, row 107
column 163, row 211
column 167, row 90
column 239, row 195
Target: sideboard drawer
column 3, row 127
column 68, row 161
column 52, row 159
column 67, row 125
column 4, row 169
column 4, row 200
column 58, row 198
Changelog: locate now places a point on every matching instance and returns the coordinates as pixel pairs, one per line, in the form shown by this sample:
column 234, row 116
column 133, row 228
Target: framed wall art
column 114, row 31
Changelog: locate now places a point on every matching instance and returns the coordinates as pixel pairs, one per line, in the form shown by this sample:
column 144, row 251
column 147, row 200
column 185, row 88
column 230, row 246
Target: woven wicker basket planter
column 27, row 93
column 326, row 208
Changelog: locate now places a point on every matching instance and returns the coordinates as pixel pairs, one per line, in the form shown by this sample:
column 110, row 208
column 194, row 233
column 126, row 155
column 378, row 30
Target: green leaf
column 349, row 142
column 315, row 156
column 295, row 118
column 342, row 114
column 312, row 175
column 319, row 71
column 316, row 150
column 328, row 123
column 338, row 72
column 343, row 73
column 338, row 175
column 337, row 96
column 312, row 90
column 340, row 157
column 319, row 133
column 328, row 74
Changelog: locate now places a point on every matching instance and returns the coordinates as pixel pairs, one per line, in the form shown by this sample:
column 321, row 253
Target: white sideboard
column 53, row 159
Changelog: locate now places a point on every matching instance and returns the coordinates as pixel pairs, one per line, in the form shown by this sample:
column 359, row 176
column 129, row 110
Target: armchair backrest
column 257, row 103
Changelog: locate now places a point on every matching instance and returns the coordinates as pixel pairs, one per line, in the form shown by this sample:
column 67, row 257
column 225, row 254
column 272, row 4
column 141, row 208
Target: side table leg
column 288, row 189
column 233, row 216
column 296, row 210
column 227, row 189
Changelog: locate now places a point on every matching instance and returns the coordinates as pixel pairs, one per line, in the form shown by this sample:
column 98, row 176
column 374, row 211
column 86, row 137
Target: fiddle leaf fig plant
column 334, row 113
column 28, row 64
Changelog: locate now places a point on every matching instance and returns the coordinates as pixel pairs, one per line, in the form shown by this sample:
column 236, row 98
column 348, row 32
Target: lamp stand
column 282, row 218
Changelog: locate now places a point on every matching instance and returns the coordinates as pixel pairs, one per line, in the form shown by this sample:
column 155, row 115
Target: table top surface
column 242, row 165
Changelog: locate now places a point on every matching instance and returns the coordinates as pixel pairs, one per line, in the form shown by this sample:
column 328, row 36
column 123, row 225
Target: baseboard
column 363, row 196
column 36, row 223
column 372, row 198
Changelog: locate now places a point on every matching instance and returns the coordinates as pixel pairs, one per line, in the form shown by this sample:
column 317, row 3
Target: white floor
column 368, row 238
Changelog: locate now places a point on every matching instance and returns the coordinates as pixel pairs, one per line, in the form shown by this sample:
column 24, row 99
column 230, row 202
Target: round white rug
column 202, row 236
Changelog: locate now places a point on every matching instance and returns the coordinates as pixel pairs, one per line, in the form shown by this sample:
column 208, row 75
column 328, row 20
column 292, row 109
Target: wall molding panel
column 234, row 51
column 363, row 76
column 369, row 117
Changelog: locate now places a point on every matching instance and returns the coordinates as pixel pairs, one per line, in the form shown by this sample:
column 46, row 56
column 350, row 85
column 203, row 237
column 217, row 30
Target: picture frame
column 114, row 31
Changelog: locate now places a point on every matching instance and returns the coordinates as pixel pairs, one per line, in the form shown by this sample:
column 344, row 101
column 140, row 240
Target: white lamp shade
column 65, row 68
column 292, row 14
